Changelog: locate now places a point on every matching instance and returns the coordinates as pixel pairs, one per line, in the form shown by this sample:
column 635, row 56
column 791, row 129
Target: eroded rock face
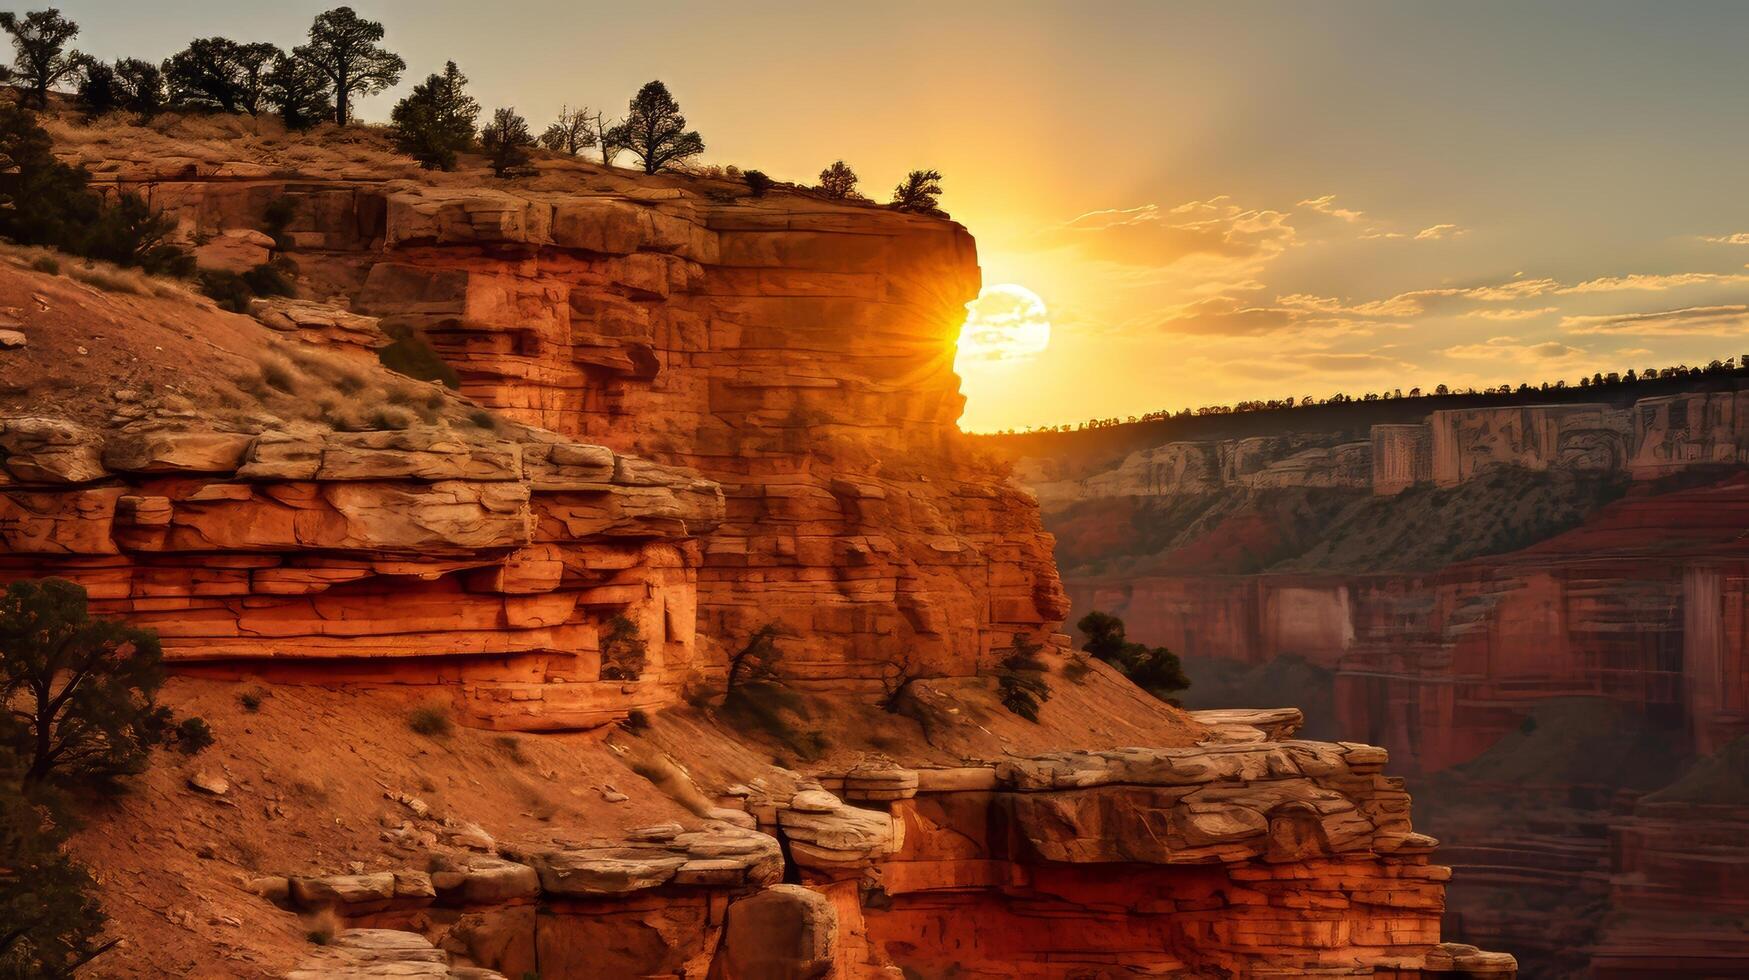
column 488, row 563
column 799, row 354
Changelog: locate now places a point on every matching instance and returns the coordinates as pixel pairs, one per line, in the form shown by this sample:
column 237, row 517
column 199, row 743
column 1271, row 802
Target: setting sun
column 1004, row 323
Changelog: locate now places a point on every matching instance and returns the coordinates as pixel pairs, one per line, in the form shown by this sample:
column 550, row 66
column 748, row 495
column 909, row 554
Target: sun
column 1005, row 323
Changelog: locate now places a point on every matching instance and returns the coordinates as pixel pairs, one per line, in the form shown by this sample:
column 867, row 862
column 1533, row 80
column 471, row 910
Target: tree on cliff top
column 573, row 132
column 299, row 91
column 436, row 121
column 344, row 48
column 219, row 73
column 920, row 193
column 507, row 141
column 655, row 131
column 81, row 692
column 40, row 40
column 838, row 181
column 1153, row 669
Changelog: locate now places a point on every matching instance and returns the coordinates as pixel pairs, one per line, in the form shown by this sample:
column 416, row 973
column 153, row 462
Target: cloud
column 1226, row 316
column 1655, row 282
column 1735, row 238
column 1351, row 363
column 1434, row 233
column 1693, row 321
column 1511, row 348
column 1512, row 314
column 1326, row 205
column 1151, row 236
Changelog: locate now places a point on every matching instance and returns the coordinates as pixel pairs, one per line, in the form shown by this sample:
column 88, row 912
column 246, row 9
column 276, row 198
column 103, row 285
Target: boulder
column 786, row 932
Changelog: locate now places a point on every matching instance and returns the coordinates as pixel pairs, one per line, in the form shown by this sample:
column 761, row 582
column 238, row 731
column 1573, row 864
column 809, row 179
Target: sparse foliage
column 1020, row 679
column 573, row 132
column 506, row 140
column 655, row 131
column 920, row 193
column 436, row 121
column 431, row 720
column 623, row 650
column 129, row 233
column 82, row 692
column 222, row 74
column 345, row 49
column 39, row 39
column 97, row 92
column 838, row 181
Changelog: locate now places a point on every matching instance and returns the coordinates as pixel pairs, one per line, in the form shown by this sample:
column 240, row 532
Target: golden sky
column 1214, row 201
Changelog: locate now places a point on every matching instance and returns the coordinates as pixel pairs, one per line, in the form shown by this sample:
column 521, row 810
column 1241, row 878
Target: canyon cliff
column 1538, row 608
column 680, row 528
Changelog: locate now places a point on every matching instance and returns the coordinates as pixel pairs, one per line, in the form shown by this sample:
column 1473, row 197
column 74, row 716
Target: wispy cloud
column 1513, row 349
column 1692, row 321
column 1326, row 205
column 1735, row 238
column 1434, row 233
column 1511, row 314
column 1654, row 282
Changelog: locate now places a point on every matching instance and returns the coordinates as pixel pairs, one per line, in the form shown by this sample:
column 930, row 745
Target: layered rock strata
column 491, row 564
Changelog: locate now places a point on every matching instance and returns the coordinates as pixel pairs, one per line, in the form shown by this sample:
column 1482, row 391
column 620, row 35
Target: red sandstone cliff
column 702, row 413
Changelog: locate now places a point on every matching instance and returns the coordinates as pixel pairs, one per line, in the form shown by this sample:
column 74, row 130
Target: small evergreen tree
column 344, row 48
column 838, row 180
column 42, row 200
column 920, row 193
column 40, row 40
column 128, row 232
column 298, row 91
column 655, row 131
column 573, row 132
column 84, row 691
column 506, row 140
column 1020, row 679
column 1156, row 670
column 436, row 121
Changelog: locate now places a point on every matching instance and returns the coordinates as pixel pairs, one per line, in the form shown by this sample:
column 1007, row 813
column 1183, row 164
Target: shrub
column 250, row 700
column 636, row 721
column 271, row 278
column 46, row 264
column 758, row 698
column 407, row 353
column 194, row 736
column 838, row 181
column 84, row 690
column 230, row 290
column 430, row 720
column 1153, row 669
column 757, row 182
column 920, row 193
column 482, row 419
column 511, row 746
column 277, row 217
column 506, row 141
column 623, row 650
column 1020, row 679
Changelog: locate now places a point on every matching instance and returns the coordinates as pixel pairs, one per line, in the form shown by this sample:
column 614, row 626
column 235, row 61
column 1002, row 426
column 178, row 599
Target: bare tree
column 572, row 133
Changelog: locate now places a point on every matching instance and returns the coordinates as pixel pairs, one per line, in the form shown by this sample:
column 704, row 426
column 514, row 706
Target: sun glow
column 1005, row 323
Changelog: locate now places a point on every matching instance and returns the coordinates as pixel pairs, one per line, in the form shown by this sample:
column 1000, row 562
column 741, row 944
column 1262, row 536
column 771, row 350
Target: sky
column 1214, row 202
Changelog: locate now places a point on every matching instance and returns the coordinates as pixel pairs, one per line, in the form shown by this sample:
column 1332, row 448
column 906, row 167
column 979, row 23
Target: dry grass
column 669, row 778
column 322, row 926
column 431, row 720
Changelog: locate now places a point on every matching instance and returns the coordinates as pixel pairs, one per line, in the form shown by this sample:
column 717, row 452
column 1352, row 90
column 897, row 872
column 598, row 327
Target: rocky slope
column 1446, row 589
column 681, row 415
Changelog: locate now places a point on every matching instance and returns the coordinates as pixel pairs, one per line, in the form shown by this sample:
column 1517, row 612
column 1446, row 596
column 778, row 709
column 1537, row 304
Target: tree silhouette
column 139, row 87
column 40, row 40
column 919, row 192
column 1153, row 669
column 436, row 121
column 344, row 48
column 299, row 92
column 655, row 131
column 506, row 140
column 219, row 73
column 573, row 132
column 838, row 180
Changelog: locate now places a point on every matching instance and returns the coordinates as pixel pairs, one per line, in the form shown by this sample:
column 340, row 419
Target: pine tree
column 838, row 181
column 507, row 141
column 655, row 131
column 343, row 47
column 920, row 193
column 436, row 121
